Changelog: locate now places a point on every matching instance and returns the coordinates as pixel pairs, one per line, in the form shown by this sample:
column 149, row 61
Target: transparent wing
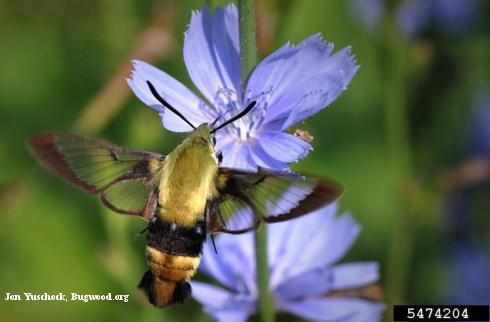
column 121, row 177
column 270, row 196
column 132, row 197
column 232, row 215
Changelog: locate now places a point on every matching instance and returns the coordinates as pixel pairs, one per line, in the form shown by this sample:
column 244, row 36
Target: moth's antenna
column 166, row 104
column 215, row 120
column 236, row 117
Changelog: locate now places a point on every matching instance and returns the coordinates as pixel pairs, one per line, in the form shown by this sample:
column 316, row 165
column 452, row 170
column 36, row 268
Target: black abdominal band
column 176, row 240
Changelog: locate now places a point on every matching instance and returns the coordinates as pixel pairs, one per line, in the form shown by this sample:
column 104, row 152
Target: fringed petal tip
column 284, row 147
column 323, row 74
column 211, row 51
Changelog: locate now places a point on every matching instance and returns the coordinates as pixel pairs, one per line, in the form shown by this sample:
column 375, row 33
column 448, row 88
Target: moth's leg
column 219, row 156
column 210, row 207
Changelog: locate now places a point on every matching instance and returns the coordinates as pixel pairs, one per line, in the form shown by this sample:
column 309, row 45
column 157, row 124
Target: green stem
column 214, row 3
column 266, row 305
column 248, row 59
column 397, row 126
column 248, row 50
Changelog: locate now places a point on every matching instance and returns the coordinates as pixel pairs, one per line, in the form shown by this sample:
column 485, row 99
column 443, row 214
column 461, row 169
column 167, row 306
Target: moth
column 184, row 195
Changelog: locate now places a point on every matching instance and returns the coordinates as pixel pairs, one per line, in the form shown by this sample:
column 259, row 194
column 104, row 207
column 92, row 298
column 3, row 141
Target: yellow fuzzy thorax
column 188, row 179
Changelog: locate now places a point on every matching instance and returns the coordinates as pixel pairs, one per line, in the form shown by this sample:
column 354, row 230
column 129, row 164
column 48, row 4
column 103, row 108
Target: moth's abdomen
column 173, row 255
column 162, row 293
column 166, row 281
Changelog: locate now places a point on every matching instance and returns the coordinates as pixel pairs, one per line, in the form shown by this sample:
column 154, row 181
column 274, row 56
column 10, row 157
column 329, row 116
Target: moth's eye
column 214, row 140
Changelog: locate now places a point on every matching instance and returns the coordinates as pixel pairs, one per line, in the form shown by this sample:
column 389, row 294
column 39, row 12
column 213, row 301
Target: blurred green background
column 396, row 139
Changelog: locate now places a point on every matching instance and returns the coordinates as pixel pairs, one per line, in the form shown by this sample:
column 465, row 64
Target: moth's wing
column 248, row 198
column 231, row 214
column 123, row 178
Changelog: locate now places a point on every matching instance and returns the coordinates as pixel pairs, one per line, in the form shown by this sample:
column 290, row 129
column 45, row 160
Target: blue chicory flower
column 303, row 271
column 479, row 127
column 368, row 12
column 468, row 268
column 452, row 16
column 467, row 265
column 290, row 85
column 413, row 16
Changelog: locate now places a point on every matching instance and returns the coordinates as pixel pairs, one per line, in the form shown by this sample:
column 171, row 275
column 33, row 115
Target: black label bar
column 441, row 313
